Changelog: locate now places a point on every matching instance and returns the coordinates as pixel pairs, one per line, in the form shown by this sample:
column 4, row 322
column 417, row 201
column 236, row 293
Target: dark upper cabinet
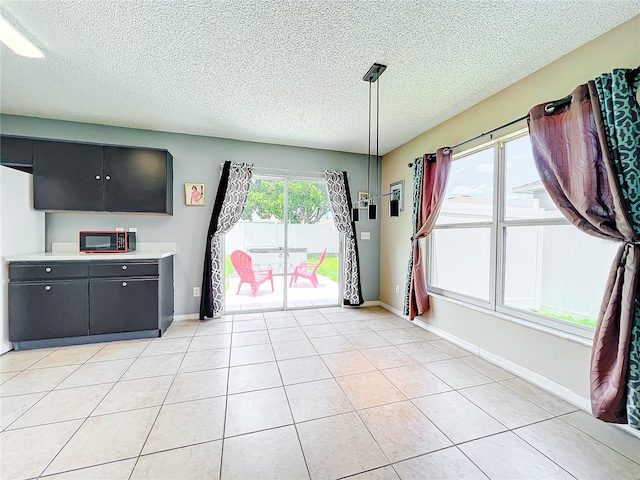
column 67, row 176
column 16, row 151
column 86, row 177
column 138, row 180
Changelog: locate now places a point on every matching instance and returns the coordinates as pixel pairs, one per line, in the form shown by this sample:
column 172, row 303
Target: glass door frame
column 286, row 179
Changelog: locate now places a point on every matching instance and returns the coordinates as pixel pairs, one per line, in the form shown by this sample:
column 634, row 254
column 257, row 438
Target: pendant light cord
column 369, row 152
column 377, row 136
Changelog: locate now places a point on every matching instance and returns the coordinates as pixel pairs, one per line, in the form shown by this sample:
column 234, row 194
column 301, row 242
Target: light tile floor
column 321, row 394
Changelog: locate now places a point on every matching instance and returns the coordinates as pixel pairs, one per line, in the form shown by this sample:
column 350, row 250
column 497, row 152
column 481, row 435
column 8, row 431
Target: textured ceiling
column 285, row 72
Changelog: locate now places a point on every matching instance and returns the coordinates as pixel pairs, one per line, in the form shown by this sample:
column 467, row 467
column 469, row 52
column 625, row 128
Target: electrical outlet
column 196, row 291
column 397, row 288
column 365, row 235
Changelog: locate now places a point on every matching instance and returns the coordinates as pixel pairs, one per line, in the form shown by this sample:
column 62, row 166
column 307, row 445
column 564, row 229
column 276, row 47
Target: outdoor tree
column 307, row 201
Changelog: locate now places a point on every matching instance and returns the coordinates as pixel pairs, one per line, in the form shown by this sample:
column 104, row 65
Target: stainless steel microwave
column 107, row 242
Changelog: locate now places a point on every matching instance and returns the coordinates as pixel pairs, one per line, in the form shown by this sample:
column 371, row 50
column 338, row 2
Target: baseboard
column 529, row 375
column 502, row 362
column 371, row 303
column 196, row 316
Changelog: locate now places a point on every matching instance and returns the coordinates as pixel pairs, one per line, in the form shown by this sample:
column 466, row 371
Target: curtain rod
column 550, row 107
column 284, row 170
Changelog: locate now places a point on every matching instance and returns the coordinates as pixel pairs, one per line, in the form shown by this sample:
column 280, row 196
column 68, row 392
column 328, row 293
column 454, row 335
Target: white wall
column 21, row 231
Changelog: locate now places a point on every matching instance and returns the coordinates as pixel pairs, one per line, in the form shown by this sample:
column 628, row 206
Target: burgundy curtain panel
column 429, row 197
column 588, row 162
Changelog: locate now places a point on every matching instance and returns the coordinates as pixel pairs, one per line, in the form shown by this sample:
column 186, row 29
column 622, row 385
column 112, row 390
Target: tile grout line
column 46, row 393
column 286, row 395
column 88, row 416
column 353, row 407
column 226, row 403
column 591, row 436
column 335, row 378
column 184, row 354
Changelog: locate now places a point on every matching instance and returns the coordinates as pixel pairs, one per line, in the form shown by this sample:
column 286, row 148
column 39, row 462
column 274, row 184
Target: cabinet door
column 40, row 310
column 135, row 180
column 123, row 305
column 67, row 176
column 16, row 151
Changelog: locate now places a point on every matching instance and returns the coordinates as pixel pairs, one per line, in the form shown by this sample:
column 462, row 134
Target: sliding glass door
column 284, row 252
column 312, row 246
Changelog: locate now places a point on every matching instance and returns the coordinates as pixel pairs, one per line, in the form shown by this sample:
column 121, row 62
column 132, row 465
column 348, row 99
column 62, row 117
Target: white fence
column 314, row 237
column 554, row 268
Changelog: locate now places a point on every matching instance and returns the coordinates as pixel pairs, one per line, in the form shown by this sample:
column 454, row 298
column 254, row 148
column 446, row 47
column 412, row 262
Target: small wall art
column 194, row 194
column 398, row 189
column 363, row 203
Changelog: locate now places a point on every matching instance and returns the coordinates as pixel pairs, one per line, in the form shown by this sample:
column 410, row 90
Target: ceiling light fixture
column 372, row 76
column 16, row 41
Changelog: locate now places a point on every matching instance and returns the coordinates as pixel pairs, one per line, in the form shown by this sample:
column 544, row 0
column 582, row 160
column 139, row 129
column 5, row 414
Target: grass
column 586, row 321
column 330, row 266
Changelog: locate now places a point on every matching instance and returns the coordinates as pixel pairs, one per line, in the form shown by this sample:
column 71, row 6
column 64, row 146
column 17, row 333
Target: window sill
column 587, row 342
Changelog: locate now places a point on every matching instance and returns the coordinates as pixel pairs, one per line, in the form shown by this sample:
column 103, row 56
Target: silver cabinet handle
column 47, row 288
column 124, row 267
column 107, row 178
column 124, row 284
column 97, row 177
column 48, row 269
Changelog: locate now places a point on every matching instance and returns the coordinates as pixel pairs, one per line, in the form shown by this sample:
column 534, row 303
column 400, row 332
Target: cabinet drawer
column 124, row 269
column 44, row 271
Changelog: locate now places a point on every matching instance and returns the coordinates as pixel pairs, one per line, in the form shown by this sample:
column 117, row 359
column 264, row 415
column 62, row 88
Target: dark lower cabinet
column 50, row 304
column 54, row 309
column 123, row 305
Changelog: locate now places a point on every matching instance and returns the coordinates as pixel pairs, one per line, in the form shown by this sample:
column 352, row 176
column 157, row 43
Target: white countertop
column 79, row 256
column 65, row 252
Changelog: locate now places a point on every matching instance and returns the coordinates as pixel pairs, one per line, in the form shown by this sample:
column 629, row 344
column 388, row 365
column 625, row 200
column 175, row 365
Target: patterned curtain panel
column 427, row 203
column 340, row 200
column 418, row 171
column 619, row 129
column 231, row 199
column 587, row 155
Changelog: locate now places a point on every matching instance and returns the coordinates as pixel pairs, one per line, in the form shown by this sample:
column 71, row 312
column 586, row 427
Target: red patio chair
column 307, row 270
column 242, row 263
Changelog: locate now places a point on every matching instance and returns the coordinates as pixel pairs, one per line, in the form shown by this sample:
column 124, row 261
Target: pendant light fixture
column 372, row 77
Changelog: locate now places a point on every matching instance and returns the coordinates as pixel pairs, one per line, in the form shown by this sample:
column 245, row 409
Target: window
column 500, row 242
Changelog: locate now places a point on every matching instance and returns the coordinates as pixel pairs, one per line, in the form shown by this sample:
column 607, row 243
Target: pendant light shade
column 394, row 208
column 372, row 211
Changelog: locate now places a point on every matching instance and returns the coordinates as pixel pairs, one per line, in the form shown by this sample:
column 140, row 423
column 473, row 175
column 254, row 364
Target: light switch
column 365, row 235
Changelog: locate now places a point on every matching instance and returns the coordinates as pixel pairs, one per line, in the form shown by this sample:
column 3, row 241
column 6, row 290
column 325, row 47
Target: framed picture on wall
column 397, row 188
column 194, row 194
column 363, row 203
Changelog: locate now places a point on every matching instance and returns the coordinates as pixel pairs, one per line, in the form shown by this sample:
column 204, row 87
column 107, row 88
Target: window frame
column 497, row 261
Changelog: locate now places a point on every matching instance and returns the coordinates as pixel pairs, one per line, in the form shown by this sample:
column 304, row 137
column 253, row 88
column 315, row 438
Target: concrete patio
column 301, row 294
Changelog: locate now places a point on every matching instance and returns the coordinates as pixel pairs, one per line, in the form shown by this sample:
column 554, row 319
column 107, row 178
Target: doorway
column 284, row 253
